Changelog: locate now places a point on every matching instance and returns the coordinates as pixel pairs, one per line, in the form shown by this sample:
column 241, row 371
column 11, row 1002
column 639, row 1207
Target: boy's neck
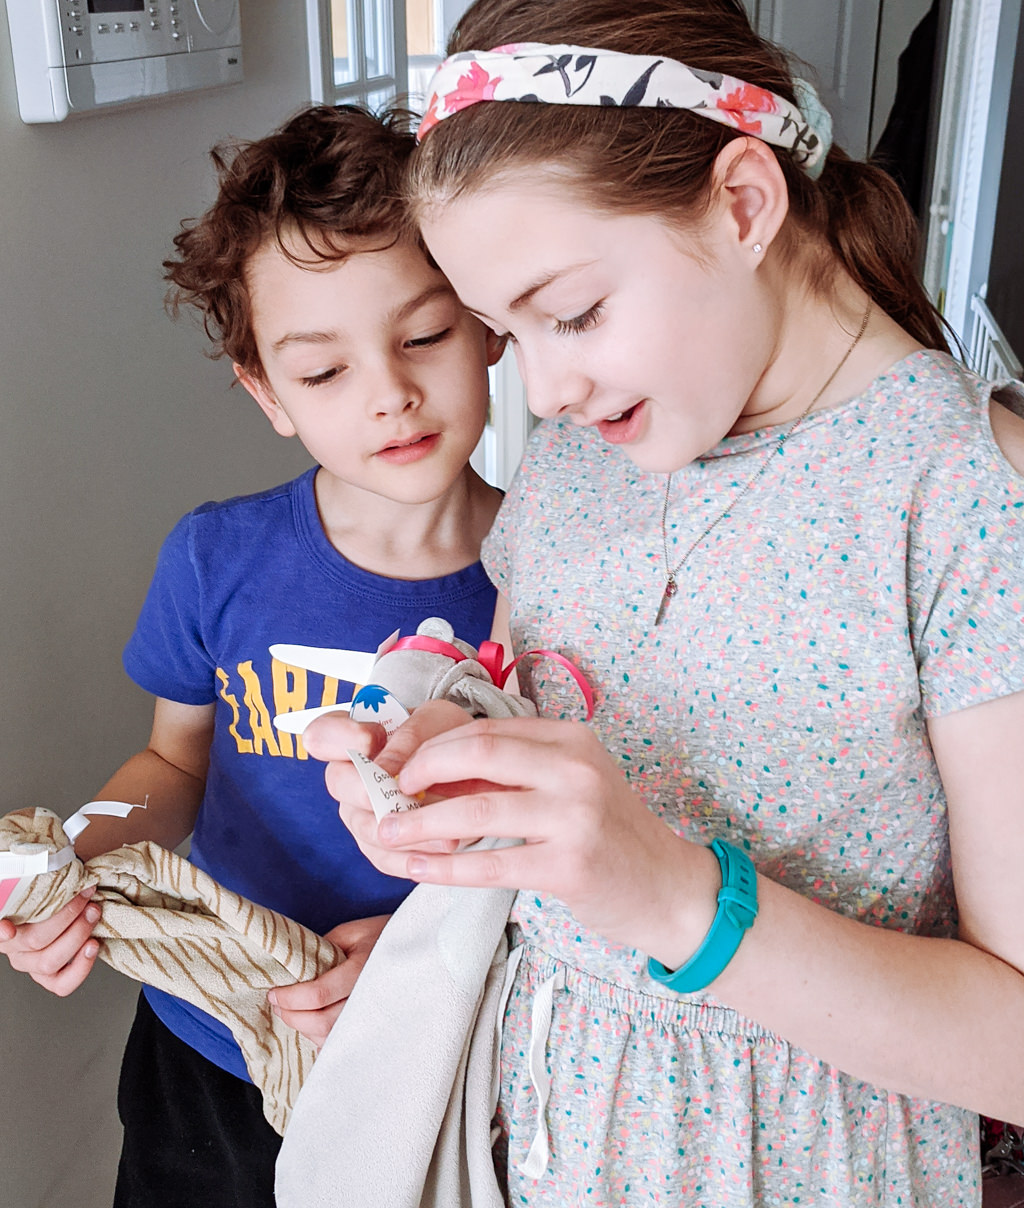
column 407, row 540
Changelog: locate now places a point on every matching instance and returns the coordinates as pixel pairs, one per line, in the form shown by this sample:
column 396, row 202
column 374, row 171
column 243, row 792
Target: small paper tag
column 374, row 703
column 381, row 787
column 33, row 860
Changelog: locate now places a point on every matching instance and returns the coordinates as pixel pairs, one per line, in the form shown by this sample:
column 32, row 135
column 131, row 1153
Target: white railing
column 989, row 352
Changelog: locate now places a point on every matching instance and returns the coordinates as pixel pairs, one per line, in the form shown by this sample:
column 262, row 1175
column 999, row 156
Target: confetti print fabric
column 874, row 578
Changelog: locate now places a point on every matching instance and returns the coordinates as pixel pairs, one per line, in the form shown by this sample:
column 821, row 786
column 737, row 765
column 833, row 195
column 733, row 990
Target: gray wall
column 112, row 424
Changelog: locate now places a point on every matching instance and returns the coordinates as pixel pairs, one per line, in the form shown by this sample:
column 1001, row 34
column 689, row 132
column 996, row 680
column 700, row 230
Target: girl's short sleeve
column 166, row 654
column 966, row 578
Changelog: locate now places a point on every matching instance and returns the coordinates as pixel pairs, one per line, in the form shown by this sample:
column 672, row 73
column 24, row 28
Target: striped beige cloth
column 168, row 924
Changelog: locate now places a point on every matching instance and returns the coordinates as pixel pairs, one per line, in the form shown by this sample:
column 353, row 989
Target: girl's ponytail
column 874, row 232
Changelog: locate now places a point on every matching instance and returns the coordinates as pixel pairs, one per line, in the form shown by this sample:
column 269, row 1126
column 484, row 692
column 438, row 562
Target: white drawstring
column 540, row 1028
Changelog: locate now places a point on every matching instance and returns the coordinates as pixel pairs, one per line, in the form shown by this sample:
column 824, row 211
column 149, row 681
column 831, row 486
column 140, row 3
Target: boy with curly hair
column 308, row 276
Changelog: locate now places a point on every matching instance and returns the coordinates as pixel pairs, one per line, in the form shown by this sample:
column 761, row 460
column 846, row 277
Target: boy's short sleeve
column 166, row 654
column 966, row 588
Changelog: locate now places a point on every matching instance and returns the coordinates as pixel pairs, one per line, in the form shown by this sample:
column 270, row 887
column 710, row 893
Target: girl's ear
column 753, row 199
column 495, row 346
column 269, row 405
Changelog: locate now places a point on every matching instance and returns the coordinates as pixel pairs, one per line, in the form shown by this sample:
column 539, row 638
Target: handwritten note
column 381, row 787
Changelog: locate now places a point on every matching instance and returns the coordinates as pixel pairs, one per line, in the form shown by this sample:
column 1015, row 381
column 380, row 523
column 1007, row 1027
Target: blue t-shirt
column 232, row 579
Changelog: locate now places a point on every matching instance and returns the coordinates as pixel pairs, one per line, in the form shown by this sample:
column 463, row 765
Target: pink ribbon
column 491, row 658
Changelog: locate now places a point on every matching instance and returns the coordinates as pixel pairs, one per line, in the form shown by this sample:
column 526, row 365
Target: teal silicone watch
column 737, row 909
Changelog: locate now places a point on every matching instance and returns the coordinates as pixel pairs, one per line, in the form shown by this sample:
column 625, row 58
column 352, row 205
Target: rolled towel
column 168, row 924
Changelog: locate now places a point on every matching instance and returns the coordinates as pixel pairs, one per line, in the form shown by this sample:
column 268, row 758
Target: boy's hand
column 58, row 953
column 312, row 1007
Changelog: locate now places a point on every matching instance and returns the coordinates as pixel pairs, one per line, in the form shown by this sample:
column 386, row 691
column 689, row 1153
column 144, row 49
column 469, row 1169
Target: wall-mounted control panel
column 73, row 56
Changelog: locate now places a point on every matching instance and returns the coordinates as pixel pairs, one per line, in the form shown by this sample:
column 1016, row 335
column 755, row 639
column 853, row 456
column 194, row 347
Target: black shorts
column 194, row 1135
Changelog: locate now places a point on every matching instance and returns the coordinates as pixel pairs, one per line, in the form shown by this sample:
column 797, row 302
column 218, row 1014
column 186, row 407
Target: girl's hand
column 330, row 738
column 58, row 953
column 589, row 840
column 312, row 1007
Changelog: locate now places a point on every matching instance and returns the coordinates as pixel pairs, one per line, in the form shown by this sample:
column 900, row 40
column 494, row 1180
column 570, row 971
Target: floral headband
column 576, row 75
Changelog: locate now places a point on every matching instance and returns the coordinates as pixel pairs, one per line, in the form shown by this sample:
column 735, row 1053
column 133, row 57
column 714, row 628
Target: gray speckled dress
column 874, row 578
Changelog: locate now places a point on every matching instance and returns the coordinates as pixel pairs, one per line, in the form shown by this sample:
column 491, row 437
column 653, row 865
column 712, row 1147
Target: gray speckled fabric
column 873, row 579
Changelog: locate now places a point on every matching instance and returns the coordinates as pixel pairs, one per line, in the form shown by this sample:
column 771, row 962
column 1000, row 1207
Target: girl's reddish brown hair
column 659, row 161
column 330, row 178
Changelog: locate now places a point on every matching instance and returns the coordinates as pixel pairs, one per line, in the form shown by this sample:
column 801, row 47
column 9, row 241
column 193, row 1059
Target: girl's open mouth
column 625, row 426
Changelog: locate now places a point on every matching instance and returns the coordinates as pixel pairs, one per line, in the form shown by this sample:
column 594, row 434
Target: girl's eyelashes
column 323, row 377
column 580, row 323
column 437, row 337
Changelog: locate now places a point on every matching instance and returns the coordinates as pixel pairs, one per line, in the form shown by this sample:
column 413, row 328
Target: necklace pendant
column 671, row 587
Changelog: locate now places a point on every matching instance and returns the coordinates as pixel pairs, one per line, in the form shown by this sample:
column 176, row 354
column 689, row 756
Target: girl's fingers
column 49, row 960
column 346, row 787
column 34, row 937
column 330, row 737
column 430, row 720
column 74, row 972
column 498, row 868
column 518, row 753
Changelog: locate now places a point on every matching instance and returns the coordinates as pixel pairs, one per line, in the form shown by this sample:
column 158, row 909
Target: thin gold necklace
column 671, row 585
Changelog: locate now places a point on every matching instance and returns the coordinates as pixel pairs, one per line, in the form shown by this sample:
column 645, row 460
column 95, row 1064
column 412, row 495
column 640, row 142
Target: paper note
column 382, row 788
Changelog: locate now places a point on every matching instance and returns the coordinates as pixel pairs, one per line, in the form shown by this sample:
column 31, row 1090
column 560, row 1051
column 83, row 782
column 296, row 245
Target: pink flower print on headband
column 470, row 88
column 576, row 75
column 743, row 102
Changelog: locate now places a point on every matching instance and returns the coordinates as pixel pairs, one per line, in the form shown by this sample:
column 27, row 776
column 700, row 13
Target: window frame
column 364, row 88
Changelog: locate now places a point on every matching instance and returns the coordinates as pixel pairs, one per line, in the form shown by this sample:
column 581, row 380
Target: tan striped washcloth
column 170, row 925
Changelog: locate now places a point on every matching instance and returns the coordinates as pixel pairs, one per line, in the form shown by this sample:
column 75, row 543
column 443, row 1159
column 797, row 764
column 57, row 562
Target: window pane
column 421, row 28
column 341, row 23
column 377, row 100
column 377, row 29
column 424, row 31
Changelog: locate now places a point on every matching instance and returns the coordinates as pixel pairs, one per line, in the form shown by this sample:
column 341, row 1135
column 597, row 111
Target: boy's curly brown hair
column 331, row 177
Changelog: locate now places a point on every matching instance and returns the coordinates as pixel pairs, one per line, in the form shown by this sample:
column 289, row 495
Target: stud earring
column 757, row 249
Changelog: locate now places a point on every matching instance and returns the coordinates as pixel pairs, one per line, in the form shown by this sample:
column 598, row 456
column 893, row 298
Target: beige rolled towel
column 170, row 925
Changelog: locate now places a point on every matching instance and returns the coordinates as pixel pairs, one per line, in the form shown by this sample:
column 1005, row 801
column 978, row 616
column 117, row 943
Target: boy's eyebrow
column 304, row 337
column 441, row 289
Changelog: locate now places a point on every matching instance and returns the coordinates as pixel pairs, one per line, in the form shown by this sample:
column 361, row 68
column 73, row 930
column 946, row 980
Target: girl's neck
column 812, row 338
column 407, row 540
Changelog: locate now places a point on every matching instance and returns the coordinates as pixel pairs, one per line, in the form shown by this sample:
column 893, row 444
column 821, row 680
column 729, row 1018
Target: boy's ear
column 269, row 405
column 495, row 346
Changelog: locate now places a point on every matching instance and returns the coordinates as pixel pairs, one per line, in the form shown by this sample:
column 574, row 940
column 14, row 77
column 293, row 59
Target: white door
column 838, row 40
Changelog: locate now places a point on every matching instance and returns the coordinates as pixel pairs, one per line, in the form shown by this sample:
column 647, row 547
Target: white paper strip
column 385, row 795
column 79, row 820
column 354, row 666
column 297, row 721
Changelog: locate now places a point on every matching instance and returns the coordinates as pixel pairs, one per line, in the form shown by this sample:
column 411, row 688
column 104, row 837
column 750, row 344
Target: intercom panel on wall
column 73, row 56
